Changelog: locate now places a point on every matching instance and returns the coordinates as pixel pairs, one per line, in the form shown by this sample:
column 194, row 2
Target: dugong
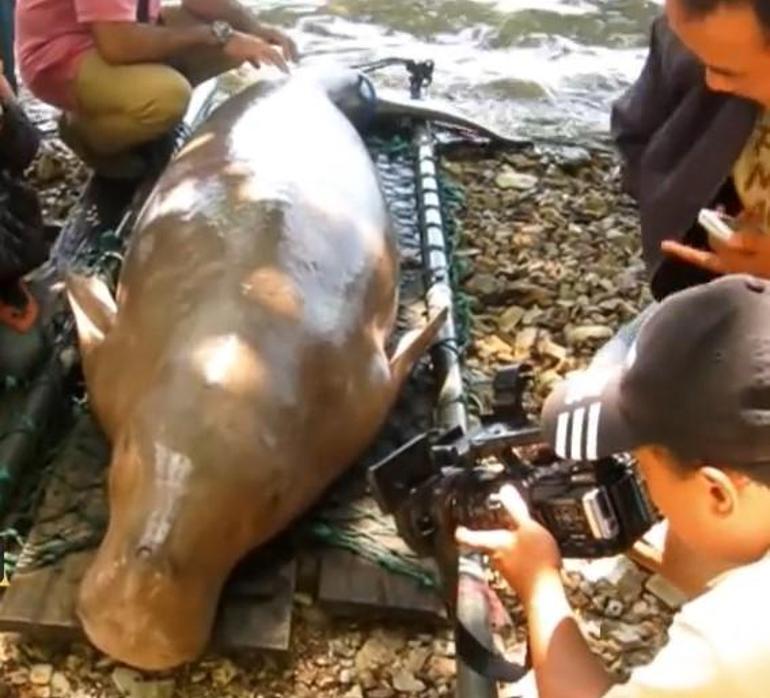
column 241, row 366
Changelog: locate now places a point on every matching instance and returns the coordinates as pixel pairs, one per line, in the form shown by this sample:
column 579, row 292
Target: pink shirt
column 51, row 36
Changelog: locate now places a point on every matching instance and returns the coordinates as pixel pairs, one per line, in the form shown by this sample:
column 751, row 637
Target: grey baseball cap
column 696, row 380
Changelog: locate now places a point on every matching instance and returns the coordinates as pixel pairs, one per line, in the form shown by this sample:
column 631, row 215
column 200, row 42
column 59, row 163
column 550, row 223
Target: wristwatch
column 222, row 31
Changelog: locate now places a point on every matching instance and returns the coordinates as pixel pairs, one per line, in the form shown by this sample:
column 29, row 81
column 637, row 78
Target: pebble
column 416, row 659
column 377, row 652
column 485, row 285
column 613, row 608
column 441, row 667
column 383, row 692
column 224, row 672
column 584, row 333
column 40, row 674
column 125, row 679
column 510, row 179
column 511, row 318
column 405, row 682
column 444, row 648
column 60, row 685
column 525, row 340
column 666, row 592
column 630, row 636
column 641, row 609
column 18, row 677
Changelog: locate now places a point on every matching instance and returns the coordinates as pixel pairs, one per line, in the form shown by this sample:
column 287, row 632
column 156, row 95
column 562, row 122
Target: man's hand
column 243, row 20
column 276, row 37
column 528, row 558
column 522, row 554
column 746, row 252
column 247, row 47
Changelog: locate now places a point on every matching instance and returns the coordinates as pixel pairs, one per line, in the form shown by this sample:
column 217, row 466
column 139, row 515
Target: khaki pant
column 121, row 106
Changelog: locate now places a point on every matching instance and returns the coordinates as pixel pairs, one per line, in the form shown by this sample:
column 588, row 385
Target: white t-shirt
column 719, row 644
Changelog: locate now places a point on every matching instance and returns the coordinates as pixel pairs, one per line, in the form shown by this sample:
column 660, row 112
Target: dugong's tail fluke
column 413, row 345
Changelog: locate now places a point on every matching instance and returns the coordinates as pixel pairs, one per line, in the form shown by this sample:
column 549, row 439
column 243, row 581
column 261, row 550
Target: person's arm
column 132, row 42
column 528, row 558
column 641, row 110
column 564, row 665
column 242, row 19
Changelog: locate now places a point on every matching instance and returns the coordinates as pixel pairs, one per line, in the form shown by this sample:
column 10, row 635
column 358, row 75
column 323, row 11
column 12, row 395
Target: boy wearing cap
column 692, row 401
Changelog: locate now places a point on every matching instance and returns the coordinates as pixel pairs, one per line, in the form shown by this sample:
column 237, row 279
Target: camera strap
column 485, row 661
column 474, row 593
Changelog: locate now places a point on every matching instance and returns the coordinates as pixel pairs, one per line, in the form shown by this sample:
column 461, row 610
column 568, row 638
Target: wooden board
column 256, row 610
column 351, row 585
column 41, row 603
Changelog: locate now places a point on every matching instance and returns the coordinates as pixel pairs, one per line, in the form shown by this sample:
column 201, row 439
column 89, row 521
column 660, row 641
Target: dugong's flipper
column 413, row 345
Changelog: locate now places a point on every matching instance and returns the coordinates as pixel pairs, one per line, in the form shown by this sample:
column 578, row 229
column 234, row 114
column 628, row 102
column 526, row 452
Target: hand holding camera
column 522, row 552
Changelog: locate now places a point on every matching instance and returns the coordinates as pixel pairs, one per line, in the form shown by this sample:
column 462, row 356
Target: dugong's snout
column 149, row 597
column 142, row 613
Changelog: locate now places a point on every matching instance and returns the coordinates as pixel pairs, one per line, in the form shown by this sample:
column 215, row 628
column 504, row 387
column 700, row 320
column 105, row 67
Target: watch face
column 222, row 31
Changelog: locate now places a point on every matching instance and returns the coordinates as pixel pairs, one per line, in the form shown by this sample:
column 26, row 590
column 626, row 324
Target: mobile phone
column 717, row 224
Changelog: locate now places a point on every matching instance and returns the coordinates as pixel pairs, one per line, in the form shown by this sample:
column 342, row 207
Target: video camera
column 439, row 481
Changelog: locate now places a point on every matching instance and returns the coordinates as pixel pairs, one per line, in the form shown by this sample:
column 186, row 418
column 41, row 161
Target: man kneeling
column 692, row 401
column 123, row 72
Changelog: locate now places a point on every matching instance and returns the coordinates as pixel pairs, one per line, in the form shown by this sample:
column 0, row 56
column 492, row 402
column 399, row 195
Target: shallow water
column 527, row 67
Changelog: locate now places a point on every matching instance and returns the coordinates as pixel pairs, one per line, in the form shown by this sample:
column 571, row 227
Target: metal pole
column 451, row 407
column 472, row 605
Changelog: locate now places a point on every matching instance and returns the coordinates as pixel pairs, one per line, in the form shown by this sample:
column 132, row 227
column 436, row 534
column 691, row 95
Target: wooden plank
column 256, row 612
column 41, row 603
column 352, row 585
